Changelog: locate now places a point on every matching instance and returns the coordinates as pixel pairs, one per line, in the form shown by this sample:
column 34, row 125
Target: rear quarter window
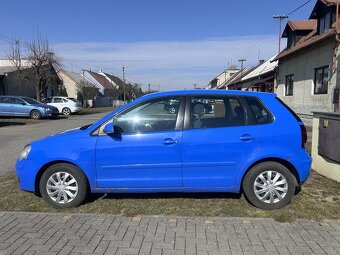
column 260, row 112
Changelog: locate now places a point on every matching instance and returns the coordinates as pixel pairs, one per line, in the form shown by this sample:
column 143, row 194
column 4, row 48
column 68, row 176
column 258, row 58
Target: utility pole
column 149, row 87
column 195, row 86
column 280, row 18
column 241, row 60
column 124, row 82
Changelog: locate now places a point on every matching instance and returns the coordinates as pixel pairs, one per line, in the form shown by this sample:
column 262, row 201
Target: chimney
column 261, row 61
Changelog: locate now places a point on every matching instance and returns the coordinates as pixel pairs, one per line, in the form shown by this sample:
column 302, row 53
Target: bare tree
column 86, row 91
column 37, row 63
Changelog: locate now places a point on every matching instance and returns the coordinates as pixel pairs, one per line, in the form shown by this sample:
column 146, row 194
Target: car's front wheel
column 35, row 114
column 269, row 185
column 63, row 186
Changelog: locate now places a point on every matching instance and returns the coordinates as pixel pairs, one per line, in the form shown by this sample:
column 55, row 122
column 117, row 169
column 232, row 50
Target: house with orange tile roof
column 106, row 88
column 308, row 75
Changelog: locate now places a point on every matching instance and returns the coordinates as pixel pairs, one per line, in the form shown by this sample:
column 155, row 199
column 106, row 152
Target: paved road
column 32, row 233
column 14, row 138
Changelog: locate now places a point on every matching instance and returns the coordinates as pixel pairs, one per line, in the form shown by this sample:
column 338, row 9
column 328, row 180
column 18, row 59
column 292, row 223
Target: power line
column 267, row 31
column 298, row 8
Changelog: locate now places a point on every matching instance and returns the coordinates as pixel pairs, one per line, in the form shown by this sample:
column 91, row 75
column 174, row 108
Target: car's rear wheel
column 269, row 185
column 66, row 111
column 35, row 114
column 63, row 186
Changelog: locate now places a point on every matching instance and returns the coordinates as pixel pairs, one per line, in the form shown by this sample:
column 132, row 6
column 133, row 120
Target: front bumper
column 26, row 171
column 51, row 114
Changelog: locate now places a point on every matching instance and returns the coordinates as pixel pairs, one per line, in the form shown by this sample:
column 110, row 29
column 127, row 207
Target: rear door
column 217, row 140
column 6, row 106
column 58, row 102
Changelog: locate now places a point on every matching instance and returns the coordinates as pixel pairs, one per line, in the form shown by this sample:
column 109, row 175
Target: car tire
column 66, row 111
column 269, row 185
column 35, row 114
column 63, row 186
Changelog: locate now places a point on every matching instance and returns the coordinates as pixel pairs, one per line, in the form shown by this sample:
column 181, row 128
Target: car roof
column 209, row 92
column 21, row 97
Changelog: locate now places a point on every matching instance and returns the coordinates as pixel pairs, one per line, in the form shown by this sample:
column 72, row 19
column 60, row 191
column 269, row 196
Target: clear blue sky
column 155, row 38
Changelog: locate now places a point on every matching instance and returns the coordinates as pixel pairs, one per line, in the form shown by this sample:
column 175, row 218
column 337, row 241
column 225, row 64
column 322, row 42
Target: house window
column 325, row 22
column 321, row 80
column 289, row 85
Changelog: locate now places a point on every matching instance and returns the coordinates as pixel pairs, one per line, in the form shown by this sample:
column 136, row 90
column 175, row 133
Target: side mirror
column 109, row 128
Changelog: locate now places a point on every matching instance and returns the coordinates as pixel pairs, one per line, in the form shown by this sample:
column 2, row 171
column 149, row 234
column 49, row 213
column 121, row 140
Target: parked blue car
column 249, row 142
column 25, row 107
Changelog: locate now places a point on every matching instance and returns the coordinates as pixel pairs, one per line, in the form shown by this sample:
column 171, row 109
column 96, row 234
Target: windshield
column 30, row 100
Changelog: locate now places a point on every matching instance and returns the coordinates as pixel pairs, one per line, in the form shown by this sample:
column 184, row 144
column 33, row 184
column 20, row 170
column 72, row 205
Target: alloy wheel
column 270, row 187
column 62, row 187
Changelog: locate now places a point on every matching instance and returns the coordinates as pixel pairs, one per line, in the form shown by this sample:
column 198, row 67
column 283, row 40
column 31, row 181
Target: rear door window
column 5, row 100
column 216, row 111
column 57, row 100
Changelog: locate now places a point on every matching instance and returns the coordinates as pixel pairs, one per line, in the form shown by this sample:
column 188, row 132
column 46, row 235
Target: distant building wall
column 17, row 86
column 69, row 84
column 302, row 65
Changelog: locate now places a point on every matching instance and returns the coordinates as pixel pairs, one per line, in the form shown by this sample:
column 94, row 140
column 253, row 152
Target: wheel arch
column 49, row 164
column 281, row 161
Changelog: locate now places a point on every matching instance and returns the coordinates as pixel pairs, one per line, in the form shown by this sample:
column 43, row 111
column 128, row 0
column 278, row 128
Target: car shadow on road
column 11, row 123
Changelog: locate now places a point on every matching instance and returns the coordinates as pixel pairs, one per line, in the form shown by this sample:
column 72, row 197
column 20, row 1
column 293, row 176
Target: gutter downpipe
column 336, row 48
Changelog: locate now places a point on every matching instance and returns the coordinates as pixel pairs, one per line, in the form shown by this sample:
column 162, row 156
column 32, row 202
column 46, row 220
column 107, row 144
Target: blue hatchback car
column 247, row 142
column 25, row 107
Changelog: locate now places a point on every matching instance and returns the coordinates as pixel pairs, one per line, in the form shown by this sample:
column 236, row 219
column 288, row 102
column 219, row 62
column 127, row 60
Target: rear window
column 74, row 100
column 259, row 111
column 289, row 109
column 5, row 100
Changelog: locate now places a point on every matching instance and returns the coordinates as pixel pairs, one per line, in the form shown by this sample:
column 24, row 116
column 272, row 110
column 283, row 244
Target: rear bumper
column 302, row 163
column 77, row 109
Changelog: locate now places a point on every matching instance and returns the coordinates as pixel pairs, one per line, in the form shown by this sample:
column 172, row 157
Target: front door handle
column 168, row 141
column 246, row 137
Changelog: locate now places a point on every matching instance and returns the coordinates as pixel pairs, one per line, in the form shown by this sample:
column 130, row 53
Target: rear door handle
column 168, row 141
column 246, row 137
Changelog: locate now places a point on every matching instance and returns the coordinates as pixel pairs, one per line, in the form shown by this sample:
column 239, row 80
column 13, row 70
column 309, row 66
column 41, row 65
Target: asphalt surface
column 14, row 138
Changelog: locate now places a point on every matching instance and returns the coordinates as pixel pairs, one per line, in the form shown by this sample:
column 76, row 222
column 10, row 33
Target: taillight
column 303, row 135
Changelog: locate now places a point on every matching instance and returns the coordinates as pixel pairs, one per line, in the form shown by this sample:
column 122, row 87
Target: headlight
column 25, row 152
column 48, row 109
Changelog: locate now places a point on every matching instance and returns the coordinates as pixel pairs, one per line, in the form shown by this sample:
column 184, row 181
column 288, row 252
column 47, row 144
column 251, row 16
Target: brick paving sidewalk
column 40, row 233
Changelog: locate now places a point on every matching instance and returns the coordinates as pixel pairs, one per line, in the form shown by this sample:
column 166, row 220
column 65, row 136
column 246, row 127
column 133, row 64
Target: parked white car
column 65, row 105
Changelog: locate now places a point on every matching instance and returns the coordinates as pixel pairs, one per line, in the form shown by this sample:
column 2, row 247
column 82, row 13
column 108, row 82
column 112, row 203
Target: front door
column 20, row 107
column 217, row 140
column 145, row 151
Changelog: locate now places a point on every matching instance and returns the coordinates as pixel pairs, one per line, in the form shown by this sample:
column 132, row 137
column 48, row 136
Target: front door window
column 151, row 116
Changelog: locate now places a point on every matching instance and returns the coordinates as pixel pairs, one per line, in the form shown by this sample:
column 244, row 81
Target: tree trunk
column 38, row 94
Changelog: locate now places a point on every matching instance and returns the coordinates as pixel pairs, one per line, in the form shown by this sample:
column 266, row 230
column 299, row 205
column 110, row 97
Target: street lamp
column 124, row 81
